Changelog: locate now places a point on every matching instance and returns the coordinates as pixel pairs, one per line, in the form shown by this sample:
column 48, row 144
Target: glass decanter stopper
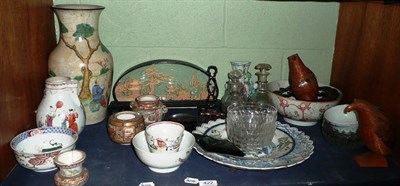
column 235, row 92
column 261, row 94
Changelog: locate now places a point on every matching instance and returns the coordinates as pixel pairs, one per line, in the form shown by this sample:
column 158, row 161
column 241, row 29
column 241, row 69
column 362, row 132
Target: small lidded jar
column 151, row 108
column 123, row 126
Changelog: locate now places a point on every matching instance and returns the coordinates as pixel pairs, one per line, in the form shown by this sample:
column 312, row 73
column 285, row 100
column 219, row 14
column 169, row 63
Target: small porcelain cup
column 341, row 128
column 71, row 170
column 164, row 136
column 70, row 163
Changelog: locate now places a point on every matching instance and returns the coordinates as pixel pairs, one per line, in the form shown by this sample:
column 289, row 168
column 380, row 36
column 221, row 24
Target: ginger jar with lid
column 151, row 108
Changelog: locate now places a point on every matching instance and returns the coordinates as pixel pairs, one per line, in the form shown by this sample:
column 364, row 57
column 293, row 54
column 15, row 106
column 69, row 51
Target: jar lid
column 126, row 118
column 148, row 99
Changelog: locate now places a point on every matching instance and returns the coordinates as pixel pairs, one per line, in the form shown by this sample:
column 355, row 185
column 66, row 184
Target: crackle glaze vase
column 82, row 56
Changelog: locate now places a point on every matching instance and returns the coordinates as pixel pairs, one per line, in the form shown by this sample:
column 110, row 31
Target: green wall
column 215, row 32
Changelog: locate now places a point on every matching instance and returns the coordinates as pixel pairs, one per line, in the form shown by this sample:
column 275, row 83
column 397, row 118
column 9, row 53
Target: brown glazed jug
column 302, row 81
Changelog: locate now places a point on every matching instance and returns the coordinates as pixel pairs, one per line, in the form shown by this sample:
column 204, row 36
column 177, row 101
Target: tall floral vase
column 82, row 56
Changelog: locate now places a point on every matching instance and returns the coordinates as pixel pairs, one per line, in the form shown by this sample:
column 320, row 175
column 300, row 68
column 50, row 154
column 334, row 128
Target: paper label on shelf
column 190, row 180
column 147, row 184
column 208, row 183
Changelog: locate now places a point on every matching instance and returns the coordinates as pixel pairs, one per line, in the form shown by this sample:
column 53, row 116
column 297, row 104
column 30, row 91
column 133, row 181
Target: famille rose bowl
column 298, row 112
column 35, row 149
column 163, row 162
column 164, row 136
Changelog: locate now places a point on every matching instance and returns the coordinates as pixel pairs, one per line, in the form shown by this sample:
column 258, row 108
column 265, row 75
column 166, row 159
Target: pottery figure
column 302, row 80
column 376, row 133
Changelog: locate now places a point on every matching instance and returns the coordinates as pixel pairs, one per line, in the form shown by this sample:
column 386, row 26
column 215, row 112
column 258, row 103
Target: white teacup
column 164, row 136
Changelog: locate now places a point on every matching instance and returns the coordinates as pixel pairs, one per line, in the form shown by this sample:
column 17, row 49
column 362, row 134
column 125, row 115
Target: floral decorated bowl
column 302, row 113
column 163, row 162
column 35, row 149
column 164, row 136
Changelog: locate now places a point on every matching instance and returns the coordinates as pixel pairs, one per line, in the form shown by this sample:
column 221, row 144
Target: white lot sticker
column 147, row 184
column 208, row 183
column 190, row 180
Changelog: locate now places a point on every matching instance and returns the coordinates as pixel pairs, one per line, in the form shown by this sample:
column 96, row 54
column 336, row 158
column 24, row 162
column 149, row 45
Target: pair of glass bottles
column 236, row 91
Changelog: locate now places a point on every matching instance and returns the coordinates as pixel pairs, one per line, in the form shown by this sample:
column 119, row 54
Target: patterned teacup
column 164, row 136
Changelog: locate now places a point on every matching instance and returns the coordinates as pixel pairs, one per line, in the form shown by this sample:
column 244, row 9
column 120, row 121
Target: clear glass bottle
column 235, row 91
column 261, row 95
column 245, row 79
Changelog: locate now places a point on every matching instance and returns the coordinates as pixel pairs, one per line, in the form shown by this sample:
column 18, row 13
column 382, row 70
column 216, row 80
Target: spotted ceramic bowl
column 297, row 112
column 35, row 149
column 163, row 162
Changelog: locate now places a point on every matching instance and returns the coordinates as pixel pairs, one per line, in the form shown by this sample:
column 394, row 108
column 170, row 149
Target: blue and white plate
column 290, row 148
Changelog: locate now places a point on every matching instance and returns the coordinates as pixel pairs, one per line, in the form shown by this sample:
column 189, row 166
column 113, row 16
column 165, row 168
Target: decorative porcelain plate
column 290, row 148
column 168, row 79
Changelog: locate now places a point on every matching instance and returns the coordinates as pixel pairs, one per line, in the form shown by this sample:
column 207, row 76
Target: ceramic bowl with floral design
column 163, row 162
column 298, row 112
column 35, row 149
column 164, row 136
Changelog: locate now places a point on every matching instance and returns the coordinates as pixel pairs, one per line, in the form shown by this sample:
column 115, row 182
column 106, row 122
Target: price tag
column 208, row 183
column 190, row 180
column 147, row 184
